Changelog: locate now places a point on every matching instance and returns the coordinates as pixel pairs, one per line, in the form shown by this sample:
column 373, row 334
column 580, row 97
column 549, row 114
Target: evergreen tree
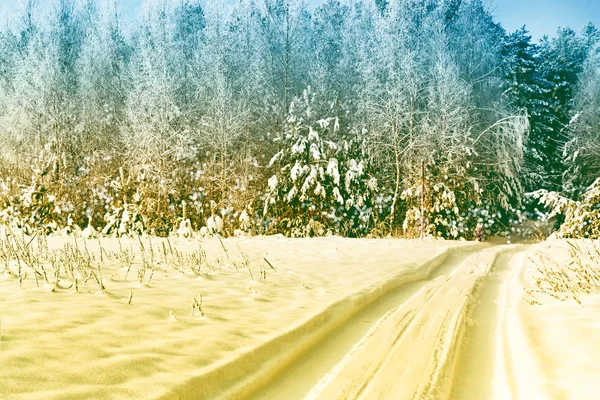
column 562, row 63
column 525, row 88
column 321, row 181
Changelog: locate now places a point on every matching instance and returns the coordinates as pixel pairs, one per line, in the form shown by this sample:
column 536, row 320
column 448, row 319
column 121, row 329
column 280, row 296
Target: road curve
column 415, row 342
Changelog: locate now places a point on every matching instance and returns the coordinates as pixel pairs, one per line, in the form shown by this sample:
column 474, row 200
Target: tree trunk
column 397, row 188
column 422, row 199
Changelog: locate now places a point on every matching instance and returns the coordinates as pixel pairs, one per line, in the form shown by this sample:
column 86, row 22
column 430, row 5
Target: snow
column 444, row 311
column 273, row 183
column 296, row 170
column 575, row 118
column 214, row 224
column 184, row 230
column 332, row 171
column 562, row 334
column 87, row 345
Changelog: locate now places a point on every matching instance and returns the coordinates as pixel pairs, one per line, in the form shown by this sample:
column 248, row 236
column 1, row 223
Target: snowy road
column 419, row 341
column 339, row 319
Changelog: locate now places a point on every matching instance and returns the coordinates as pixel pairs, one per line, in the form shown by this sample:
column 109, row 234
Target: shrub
column 580, row 218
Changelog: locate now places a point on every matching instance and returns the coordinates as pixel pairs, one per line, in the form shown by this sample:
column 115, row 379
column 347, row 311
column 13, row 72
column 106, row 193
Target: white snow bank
column 88, row 345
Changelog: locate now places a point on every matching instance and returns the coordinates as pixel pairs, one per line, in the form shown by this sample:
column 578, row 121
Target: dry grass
column 577, row 277
column 74, row 266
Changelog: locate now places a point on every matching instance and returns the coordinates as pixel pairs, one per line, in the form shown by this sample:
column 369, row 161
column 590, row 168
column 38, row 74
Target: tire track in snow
column 482, row 353
column 412, row 358
column 296, row 380
column 373, row 366
column 487, row 367
column 523, row 380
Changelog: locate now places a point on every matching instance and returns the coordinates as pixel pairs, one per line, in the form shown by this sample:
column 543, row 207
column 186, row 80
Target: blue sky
column 545, row 16
column 540, row 16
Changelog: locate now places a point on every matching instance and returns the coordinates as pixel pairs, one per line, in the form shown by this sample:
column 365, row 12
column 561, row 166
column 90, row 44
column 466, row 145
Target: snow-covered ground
column 285, row 318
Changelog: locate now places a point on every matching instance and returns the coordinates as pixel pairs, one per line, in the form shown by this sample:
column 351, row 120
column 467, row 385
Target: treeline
column 286, row 119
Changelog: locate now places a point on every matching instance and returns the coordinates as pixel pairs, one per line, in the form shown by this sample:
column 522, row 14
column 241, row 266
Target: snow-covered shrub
column 124, row 221
column 32, row 209
column 321, row 182
column 452, row 201
column 457, row 199
column 470, row 180
column 99, row 189
column 580, row 218
column 34, row 204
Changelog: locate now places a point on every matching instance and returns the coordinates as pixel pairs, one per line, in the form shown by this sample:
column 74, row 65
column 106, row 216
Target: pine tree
column 321, row 179
column 525, row 88
column 562, row 63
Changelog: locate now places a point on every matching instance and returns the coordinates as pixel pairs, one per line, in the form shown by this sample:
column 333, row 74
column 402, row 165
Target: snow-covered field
column 273, row 318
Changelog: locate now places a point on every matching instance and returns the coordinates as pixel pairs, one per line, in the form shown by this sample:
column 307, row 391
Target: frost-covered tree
column 9, row 48
column 476, row 43
column 582, row 151
column 64, row 46
column 443, row 143
column 183, row 105
column 189, row 20
column 285, row 32
column 392, row 87
column 225, row 116
column 153, row 134
column 333, row 69
column 102, row 71
column 42, row 107
column 245, row 55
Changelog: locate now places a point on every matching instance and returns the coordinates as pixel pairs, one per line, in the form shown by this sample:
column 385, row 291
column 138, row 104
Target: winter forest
column 281, row 118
